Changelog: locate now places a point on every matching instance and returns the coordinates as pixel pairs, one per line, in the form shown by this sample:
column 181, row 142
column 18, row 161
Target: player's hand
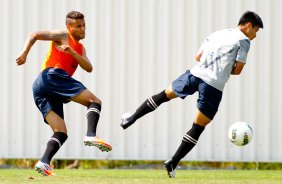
column 21, row 59
column 66, row 49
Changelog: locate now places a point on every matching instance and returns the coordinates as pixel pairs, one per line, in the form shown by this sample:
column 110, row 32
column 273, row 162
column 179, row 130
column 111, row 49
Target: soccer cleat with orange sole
column 99, row 143
column 44, row 169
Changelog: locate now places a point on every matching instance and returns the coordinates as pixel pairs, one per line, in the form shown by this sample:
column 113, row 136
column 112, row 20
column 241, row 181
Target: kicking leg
column 93, row 105
column 148, row 106
column 86, row 98
column 189, row 140
column 56, row 141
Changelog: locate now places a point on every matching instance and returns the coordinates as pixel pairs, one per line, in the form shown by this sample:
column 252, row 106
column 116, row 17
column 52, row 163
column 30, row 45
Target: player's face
column 251, row 31
column 77, row 28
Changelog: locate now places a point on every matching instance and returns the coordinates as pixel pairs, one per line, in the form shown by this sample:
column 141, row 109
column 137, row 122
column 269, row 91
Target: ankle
column 131, row 119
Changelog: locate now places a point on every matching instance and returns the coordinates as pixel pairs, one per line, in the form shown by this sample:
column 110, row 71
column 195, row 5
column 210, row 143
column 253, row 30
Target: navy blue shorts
column 52, row 88
column 209, row 97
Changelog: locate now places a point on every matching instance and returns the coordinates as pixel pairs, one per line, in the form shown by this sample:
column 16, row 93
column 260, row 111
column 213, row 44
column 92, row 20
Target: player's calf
column 146, row 107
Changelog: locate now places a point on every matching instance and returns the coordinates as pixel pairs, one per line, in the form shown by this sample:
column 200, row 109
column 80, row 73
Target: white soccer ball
column 240, row 133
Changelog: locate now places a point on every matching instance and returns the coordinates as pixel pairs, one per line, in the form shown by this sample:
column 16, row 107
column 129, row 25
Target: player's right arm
column 240, row 61
column 56, row 36
column 237, row 68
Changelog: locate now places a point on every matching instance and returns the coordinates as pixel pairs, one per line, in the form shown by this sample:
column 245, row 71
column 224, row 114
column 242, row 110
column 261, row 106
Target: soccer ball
column 240, row 133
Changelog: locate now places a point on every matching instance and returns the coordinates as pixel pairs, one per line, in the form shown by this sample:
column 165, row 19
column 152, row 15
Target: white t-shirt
column 220, row 52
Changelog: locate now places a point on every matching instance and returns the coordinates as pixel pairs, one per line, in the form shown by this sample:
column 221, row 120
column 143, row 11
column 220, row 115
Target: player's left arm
column 237, row 68
column 83, row 60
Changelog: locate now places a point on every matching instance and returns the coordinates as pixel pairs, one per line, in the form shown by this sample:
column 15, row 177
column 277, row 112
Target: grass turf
column 113, row 176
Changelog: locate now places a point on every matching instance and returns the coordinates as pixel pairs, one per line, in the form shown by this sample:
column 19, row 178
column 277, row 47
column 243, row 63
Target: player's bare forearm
column 83, row 62
column 234, row 71
column 237, row 68
column 21, row 59
column 29, row 43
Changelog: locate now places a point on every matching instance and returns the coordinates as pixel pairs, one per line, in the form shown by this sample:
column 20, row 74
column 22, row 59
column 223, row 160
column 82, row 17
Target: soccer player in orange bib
column 55, row 86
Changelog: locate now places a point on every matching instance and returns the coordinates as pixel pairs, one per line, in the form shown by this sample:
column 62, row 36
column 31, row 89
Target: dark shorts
column 52, row 88
column 209, row 97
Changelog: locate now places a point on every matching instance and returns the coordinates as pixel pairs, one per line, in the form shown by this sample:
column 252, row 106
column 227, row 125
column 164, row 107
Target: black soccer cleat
column 170, row 168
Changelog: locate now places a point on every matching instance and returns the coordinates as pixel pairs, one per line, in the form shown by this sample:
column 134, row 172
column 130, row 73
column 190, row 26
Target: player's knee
column 61, row 137
column 99, row 101
column 61, row 129
column 202, row 119
column 96, row 101
column 170, row 93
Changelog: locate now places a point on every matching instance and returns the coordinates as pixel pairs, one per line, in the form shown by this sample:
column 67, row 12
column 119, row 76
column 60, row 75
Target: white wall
column 137, row 48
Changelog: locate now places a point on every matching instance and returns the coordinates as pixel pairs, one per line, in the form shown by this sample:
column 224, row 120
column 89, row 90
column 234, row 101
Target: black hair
column 252, row 17
column 74, row 15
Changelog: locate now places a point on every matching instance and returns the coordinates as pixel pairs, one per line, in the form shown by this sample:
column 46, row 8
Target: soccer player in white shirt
column 222, row 54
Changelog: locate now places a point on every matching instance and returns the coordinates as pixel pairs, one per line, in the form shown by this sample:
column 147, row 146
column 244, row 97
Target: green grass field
column 89, row 176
